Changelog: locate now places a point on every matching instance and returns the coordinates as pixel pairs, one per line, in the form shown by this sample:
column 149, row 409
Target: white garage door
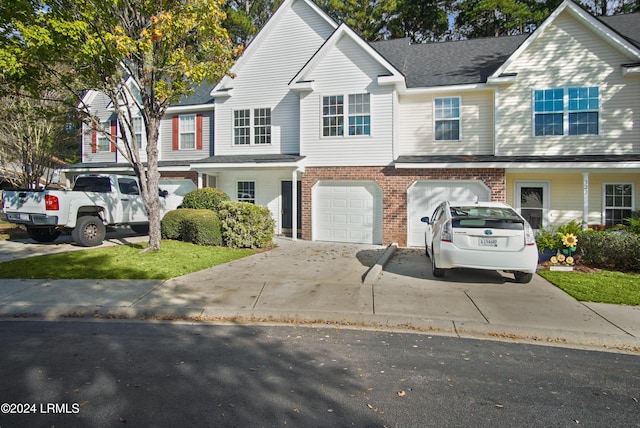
column 424, row 196
column 347, row 211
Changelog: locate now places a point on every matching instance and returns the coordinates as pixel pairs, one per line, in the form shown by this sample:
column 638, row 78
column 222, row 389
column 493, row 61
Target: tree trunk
column 152, row 199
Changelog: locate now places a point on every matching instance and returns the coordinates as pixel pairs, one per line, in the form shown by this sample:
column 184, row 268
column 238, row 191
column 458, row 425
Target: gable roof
column 448, row 63
column 342, row 31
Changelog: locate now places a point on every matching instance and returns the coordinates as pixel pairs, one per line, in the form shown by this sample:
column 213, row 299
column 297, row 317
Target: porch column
column 199, row 180
column 585, row 198
column 294, row 205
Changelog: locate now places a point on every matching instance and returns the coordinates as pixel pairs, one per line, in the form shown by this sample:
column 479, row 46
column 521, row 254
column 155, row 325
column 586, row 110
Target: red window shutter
column 94, row 140
column 199, row 132
column 113, row 130
column 175, row 133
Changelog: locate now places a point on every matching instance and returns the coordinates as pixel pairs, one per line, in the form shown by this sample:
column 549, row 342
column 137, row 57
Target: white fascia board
column 519, row 167
column 261, row 36
column 440, row 89
column 242, row 165
column 194, row 108
column 630, row 70
column 302, row 86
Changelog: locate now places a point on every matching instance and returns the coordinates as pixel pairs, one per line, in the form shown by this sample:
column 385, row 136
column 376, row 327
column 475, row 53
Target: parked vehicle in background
column 480, row 235
column 95, row 203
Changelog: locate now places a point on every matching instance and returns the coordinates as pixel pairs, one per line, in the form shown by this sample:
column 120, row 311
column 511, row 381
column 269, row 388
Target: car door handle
column 124, row 199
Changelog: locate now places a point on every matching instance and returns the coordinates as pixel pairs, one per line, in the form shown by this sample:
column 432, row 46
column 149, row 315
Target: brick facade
column 190, row 175
column 394, row 184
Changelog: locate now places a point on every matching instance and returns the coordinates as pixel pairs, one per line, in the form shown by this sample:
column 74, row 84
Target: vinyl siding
column 166, row 139
column 417, row 125
column 99, row 109
column 263, row 81
column 568, row 54
column 347, row 69
column 566, row 193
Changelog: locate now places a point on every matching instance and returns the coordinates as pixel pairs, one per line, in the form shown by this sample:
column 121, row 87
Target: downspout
column 585, row 199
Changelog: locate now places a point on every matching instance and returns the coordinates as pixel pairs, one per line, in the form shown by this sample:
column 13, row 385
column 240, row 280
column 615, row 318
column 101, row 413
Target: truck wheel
column 89, row 231
column 43, row 234
column 140, row 229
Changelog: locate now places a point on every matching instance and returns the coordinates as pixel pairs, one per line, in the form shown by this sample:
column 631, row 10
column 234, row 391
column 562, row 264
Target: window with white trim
column 618, row 203
column 104, row 139
column 244, row 133
column 138, row 129
column 187, row 132
column 247, row 191
column 357, row 115
column 566, row 111
column 446, row 113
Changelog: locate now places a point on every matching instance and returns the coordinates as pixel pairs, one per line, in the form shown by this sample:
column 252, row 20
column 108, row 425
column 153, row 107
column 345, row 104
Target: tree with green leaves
column 369, row 19
column 143, row 54
column 494, row 18
column 36, row 135
column 420, row 20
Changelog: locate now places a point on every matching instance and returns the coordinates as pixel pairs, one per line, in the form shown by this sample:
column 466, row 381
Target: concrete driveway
column 316, row 282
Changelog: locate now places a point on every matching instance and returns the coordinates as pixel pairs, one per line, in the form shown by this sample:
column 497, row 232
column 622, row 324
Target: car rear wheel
column 523, row 277
column 436, row 271
column 89, row 231
column 43, row 234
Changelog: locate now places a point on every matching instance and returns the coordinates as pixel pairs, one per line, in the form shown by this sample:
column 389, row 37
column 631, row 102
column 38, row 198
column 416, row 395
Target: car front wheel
column 523, row 277
column 436, row 271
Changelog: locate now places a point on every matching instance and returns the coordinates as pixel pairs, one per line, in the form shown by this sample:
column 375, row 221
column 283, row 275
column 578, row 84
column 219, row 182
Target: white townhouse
column 361, row 140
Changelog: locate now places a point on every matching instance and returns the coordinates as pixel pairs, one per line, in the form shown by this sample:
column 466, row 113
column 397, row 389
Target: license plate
column 488, row 242
column 14, row 216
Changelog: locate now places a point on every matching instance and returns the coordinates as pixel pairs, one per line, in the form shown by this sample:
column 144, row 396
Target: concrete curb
column 374, row 272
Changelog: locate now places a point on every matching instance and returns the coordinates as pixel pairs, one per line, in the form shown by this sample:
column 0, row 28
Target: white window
column 244, row 133
column 358, row 115
column 138, row 129
column 247, row 191
column 618, row 203
column 104, row 138
column 446, row 112
column 187, row 132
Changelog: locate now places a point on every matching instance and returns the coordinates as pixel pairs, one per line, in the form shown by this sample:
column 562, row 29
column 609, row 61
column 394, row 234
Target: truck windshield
column 92, row 184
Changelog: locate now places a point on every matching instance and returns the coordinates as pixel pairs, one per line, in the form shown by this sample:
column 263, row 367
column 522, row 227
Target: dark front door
column 287, row 208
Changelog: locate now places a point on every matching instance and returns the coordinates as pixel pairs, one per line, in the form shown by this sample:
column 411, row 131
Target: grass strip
column 598, row 287
column 175, row 258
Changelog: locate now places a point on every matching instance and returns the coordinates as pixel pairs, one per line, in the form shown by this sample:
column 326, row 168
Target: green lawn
column 175, row 258
column 599, row 287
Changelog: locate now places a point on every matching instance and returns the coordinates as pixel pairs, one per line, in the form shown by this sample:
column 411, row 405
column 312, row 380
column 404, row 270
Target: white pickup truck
column 95, row 203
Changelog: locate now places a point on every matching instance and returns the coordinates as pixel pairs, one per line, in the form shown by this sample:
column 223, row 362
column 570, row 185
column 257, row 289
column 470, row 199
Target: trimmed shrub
column 202, row 227
column 245, row 225
column 206, row 198
column 611, row 250
column 171, row 225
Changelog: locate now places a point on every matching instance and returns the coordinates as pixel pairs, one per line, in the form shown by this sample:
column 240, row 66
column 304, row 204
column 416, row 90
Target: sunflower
column 553, row 260
column 561, row 258
column 569, row 240
column 569, row 260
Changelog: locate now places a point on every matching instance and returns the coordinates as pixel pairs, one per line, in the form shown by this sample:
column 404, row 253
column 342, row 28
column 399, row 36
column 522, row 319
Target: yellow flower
column 553, row 260
column 569, row 240
column 561, row 258
column 569, row 260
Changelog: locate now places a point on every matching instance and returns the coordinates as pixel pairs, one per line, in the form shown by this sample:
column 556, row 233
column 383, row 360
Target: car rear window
column 486, row 217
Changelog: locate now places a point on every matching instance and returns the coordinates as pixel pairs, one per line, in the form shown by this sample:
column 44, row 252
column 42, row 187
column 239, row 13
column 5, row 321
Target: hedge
column 199, row 226
column 206, row 198
column 245, row 225
column 610, row 250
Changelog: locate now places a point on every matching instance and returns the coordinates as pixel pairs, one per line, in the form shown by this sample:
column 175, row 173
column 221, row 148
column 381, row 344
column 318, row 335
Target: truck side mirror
column 163, row 193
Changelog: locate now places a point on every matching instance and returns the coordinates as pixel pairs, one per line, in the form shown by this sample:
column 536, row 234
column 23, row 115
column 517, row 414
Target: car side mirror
column 425, row 220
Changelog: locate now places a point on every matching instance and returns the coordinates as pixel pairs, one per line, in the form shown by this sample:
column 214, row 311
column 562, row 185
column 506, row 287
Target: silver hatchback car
column 480, row 235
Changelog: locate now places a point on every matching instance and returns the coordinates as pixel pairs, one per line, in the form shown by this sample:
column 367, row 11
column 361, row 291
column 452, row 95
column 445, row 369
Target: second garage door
column 347, row 211
column 424, row 196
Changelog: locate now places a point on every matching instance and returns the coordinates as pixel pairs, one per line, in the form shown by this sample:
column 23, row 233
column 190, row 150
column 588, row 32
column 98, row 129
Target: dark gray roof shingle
column 627, row 25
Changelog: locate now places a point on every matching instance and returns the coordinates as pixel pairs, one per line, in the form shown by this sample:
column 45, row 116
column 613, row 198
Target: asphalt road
column 95, row 374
